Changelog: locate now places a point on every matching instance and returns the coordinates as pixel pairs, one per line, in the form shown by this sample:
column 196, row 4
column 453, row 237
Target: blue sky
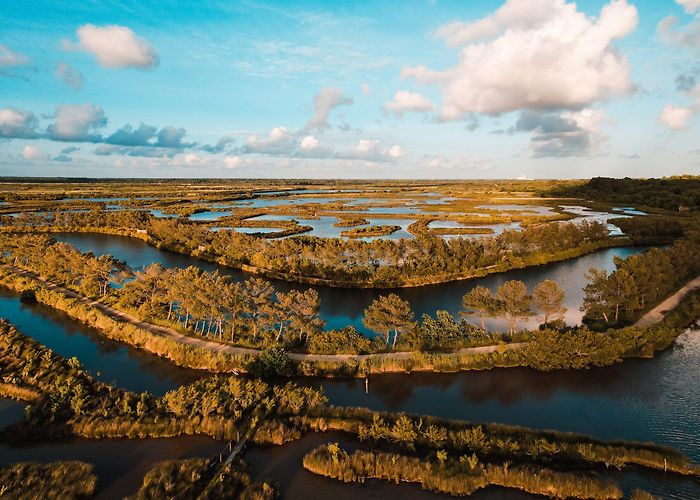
column 415, row 89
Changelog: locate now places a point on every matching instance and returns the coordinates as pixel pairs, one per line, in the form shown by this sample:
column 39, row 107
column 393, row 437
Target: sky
column 375, row 89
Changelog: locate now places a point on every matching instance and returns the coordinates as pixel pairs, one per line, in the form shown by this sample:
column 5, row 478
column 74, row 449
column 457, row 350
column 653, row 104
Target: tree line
column 639, row 282
column 376, row 263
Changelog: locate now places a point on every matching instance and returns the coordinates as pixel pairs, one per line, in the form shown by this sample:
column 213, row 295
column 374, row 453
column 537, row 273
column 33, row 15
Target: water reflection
column 109, row 361
column 646, row 400
column 342, row 307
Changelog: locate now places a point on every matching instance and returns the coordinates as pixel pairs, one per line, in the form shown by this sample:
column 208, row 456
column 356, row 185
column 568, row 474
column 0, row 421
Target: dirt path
column 163, row 331
column 660, row 311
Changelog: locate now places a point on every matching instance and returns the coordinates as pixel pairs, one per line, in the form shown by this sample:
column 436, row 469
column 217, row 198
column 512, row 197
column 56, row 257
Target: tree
column 387, row 314
column 610, row 296
column 233, row 302
column 479, row 301
column 548, row 297
column 300, row 311
column 515, row 302
column 259, row 293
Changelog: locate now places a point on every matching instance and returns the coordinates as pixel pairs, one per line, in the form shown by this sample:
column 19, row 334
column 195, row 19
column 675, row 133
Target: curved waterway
column 649, row 400
column 109, row 361
column 342, row 307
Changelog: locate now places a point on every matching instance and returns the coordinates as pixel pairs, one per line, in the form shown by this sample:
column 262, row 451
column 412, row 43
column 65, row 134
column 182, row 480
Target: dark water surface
column 109, row 361
column 647, row 400
column 343, row 307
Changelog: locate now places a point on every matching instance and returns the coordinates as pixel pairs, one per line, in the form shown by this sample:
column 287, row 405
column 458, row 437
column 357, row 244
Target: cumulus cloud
column 562, row 134
column 541, row 54
column 675, row 117
column 405, row 102
column 17, row 124
column 65, row 154
column 69, row 76
column 690, row 6
column 129, row 136
column 10, row 58
column 115, row 47
column 278, row 141
column 373, row 150
column 34, row 153
column 234, row 161
column 685, row 36
column 326, row 101
column 221, row 145
column 309, row 143
column 171, row 137
column 144, row 151
column 77, row 123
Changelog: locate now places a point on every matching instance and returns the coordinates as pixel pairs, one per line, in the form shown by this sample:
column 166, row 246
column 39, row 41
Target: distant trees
column 548, row 297
column 639, row 282
column 480, row 301
column 387, row 314
column 513, row 303
column 379, row 262
column 63, row 263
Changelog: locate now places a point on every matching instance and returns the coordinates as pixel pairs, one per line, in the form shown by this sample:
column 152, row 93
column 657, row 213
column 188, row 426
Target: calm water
column 342, row 307
column 120, row 464
column 649, row 400
column 109, row 361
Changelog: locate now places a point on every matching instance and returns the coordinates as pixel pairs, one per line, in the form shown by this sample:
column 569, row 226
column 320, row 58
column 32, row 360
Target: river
column 649, row 400
column 342, row 307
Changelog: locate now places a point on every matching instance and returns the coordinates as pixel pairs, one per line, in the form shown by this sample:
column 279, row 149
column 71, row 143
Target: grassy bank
column 55, row 480
column 454, row 476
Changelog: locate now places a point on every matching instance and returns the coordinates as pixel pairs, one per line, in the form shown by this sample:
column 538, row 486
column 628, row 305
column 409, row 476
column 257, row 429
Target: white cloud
column 533, row 55
column 10, row 58
column 432, row 162
column 116, row 46
column 278, row 141
column 675, row 117
column 17, row 123
column 34, row 153
column 69, row 75
column 678, row 117
column 395, row 152
column 77, row 122
column 687, row 36
column 690, row 6
column 233, row 161
column 373, row 150
column 405, row 101
column 309, row 143
column 570, row 133
column 325, row 101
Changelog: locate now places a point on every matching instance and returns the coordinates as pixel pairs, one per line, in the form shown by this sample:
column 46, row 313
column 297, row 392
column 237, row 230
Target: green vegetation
column 55, row 480
column 202, row 479
column 496, row 443
column 455, row 476
column 379, row 263
column 639, row 282
column 675, row 194
column 73, row 403
column 363, row 232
